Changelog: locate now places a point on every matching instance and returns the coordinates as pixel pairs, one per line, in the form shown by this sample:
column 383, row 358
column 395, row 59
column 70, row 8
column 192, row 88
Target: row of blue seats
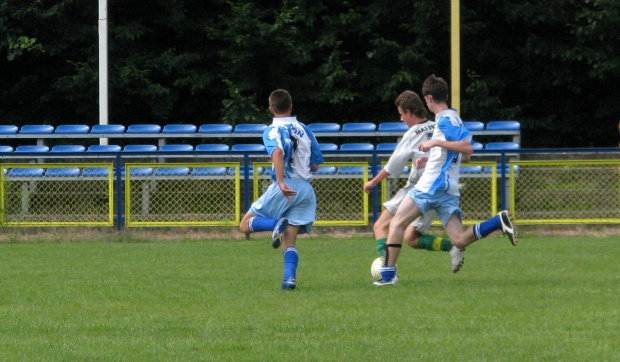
column 226, row 128
column 200, row 171
column 498, row 146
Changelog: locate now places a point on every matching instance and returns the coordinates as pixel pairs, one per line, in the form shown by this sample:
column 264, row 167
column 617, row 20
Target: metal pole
column 455, row 57
column 103, row 65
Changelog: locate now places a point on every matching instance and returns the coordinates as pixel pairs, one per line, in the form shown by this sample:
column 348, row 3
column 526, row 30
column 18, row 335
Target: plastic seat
column 326, row 170
column 391, row 146
column 474, row 125
column 179, row 128
column 328, row 146
column 471, row 169
column 209, row 171
column 503, row 126
column 144, row 128
column 248, row 147
column 357, row 147
column 176, row 148
column 213, row 147
column 215, row 128
column 393, row 127
column 38, row 148
column 6, row 149
column 138, row 171
column 231, row 171
column 324, row 127
column 140, row 148
column 477, row 146
column 502, row 146
column 351, row 170
column 359, row 127
column 62, row 172
column 250, row 128
column 72, row 129
column 26, row 172
column 104, row 148
column 68, row 148
column 107, row 129
column 171, row 171
column 95, row 172
column 5, row 129
column 37, row 129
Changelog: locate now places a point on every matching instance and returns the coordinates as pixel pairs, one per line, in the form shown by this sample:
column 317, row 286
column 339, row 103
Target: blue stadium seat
column 38, row 148
column 72, row 129
column 359, row 127
column 107, row 129
column 324, row 127
column 393, row 127
column 179, row 128
column 351, row 170
column 5, row 129
column 213, row 147
column 503, row 126
column 62, row 172
column 357, row 147
column 502, row 146
column 95, row 172
column 209, row 171
column 171, row 171
column 68, row 148
column 215, row 128
column 248, row 147
column 391, row 146
column 477, row 146
column 104, row 148
column 6, row 149
column 37, row 129
column 250, row 128
column 137, row 171
column 26, row 172
column 176, row 148
column 326, row 170
column 143, row 128
column 231, row 171
column 471, row 169
column 328, row 146
column 489, row 169
column 474, row 125
column 140, row 148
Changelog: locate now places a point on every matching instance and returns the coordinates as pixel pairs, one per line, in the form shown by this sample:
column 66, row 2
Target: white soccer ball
column 375, row 268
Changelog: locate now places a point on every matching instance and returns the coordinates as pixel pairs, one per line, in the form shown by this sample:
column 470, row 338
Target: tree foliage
column 552, row 65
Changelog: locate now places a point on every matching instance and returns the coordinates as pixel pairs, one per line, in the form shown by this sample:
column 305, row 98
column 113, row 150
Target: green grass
column 550, row 298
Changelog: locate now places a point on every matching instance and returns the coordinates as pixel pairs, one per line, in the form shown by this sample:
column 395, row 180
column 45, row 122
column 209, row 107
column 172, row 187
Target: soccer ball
column 375, row 268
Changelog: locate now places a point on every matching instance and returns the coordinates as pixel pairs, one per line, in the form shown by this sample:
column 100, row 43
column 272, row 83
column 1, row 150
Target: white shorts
column 422, row 223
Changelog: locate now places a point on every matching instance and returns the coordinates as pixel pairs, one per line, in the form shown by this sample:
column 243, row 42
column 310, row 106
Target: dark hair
column 436, row 87
column 280, row 100
column 411, row 101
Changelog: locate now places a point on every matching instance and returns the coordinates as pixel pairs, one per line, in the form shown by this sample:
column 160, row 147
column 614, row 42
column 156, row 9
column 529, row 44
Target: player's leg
column 501, row 221
column 417, row 237
column 290, row 257
column 253, row 223
column 381, row 230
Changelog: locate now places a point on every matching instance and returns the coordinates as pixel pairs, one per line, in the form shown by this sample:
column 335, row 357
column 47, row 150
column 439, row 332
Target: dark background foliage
column 552, row 65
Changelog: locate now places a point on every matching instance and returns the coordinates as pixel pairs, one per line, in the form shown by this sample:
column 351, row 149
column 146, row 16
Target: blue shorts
column 301, row 211
column 442, row 202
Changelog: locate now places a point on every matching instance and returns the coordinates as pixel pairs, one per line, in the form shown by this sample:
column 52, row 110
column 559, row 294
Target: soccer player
column 437, row 189
column 413, row 114
column 288, row 207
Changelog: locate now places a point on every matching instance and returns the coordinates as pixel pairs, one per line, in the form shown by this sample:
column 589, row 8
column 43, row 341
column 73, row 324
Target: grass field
column 550, row 298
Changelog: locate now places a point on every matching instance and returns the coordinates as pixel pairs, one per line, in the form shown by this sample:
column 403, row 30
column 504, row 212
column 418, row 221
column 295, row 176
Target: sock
column 291, row 259
column 259, row 223
column 380, row 245
column 483, row 229
column 388, row 273
column 434, row 243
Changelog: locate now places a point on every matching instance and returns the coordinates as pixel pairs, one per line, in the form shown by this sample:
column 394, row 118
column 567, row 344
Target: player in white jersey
column 437, row 188
column 288, row 207
column 413, row 114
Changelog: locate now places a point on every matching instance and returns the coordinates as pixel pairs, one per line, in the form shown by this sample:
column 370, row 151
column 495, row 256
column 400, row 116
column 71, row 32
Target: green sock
column 434, row 243
column 380, row 245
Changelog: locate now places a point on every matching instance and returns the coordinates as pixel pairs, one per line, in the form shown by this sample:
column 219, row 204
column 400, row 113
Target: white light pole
column 103, row 65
